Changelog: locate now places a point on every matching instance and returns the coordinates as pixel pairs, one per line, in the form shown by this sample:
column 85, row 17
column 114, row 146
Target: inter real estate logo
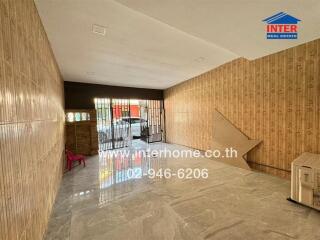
column 282, row 26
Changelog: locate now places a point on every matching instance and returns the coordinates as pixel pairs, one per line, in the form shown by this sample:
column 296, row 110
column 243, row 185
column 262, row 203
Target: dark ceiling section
column 81, row 95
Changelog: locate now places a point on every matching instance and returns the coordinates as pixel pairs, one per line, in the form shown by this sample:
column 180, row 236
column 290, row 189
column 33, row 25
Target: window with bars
column 77, row 116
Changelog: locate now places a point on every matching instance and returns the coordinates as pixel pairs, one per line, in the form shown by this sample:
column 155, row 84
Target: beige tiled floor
column 100, row 202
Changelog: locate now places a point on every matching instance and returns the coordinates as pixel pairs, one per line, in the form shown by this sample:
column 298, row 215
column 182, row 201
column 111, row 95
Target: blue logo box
column 282, row 35
column 282, row 26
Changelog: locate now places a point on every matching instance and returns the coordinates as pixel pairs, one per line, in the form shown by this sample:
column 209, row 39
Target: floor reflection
column 122, row 166
column 103, row 201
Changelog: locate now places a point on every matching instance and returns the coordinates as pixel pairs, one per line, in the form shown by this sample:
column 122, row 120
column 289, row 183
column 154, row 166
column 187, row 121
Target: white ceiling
column 157, row 44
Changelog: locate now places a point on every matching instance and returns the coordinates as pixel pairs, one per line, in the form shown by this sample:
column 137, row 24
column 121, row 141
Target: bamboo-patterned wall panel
column 31, row 123
column 274, row 98
column 82, row 136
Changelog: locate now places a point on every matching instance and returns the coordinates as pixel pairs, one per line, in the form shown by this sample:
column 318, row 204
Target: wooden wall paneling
column 224, row 90
column 274, row 98
column 4, row 193
column 300, row 85
column 94, row 139
column 31, row 123
column 251, row 99
column 240, row 93
column 310, row 101
column 235, row 92
column 245, row 103
column 3, row 218
column 289, row 105
column 317, row 100
column 273, row 135
column 71, row 137
column 82, row 136
column 280, row 152
column 2, row 93
column 271, row 171
column 266, row 113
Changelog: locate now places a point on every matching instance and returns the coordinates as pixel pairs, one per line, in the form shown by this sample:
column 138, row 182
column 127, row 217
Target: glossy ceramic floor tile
column 100, row 201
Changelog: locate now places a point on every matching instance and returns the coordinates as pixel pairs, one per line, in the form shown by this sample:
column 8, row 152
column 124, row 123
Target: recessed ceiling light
column 97, row 29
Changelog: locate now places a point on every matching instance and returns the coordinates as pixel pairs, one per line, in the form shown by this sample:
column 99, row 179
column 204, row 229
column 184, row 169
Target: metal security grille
column 116, row 124
column 151, row 127
column 113, row 123
column 121, row 122
column 154, row 120
column 104, row 123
